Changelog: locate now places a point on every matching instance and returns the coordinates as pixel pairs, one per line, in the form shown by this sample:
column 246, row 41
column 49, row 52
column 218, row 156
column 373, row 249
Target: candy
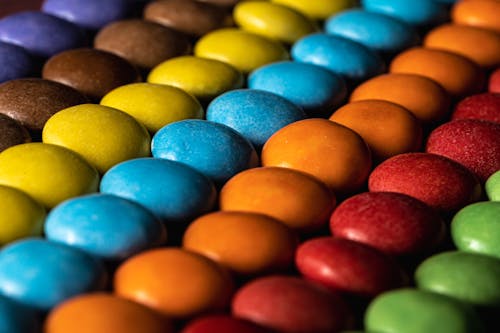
column 318, row 9
column 15, row 318
column 41, row 274
column 421, row 12
column 154, row 105
column 11, row 133
column 102, row 135
column 222, row 324
column 255, row 114
column 244, row 50
column 478, row 13
column 48, row 173
column 485, row 106
column 492, row 187
column 173, row 281
column 494, row 81
column 219, row 153
column 15, row 62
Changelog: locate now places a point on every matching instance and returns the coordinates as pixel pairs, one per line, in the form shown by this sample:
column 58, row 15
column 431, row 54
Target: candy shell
column 15, row 318
column 478, row 13
column 485, row 106
column 222, row 324
column 494, row 81
column 15, row 62
column 12, row 133
column 492, row 187
column 318, row 9
column 422, row 12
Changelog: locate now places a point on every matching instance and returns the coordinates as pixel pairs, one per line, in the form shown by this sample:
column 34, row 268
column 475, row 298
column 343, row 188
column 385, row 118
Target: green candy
column 469, row 277
column 417, row 311
column 476, row 228
column 492, row 186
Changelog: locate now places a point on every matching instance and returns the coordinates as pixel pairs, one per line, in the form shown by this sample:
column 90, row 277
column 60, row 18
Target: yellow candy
column 273, row 21
column 154, row 105
column 21, row 215
column 244, row 50
column 48, row 173
column 317, row 9
column 104, row 136
column 203, row 78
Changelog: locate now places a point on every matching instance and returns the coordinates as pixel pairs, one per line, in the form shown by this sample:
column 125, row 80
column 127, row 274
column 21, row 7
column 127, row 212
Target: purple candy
column 15, row 62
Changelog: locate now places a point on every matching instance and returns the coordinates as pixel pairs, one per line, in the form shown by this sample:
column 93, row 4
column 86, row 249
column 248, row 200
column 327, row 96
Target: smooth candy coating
column 417, row 311
column 15, row 318
column 104, row 313
column 256, row 114
column 244, row 50
column 478, row 13
column 273, row 21
column 222, row 324
column 388, row 128
column 485, row 106
column 48, row 173
column 33, row 101
column 41, row 34
column 174, row 282
column 333, row 153
column 315, row 89
column 422, row 12
column 203, row 78
column 425, row 98
column 494, row 81
column 318, row 9
column 173, row 191
column 471, row 278
column 475, row 228
column 41, row 274
column 90, row 71
column 104, row 225
column 15, row 62
column 492, row 187
column 343, row 56
column 104, row 136
column 246, row 243
column 219, row 153
column 12, row 133
column 377, row 31
column 154, row 105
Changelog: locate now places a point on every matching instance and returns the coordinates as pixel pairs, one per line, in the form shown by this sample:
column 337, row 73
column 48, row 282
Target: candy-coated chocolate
column 220, row 153
column 343, row 56
column 246, row 243
column 173, row 191
column 104, row 225
column 203, row 78
column 48, row 173
column 12, row 133
column 388, row 128
column 394, row 223
column 425, row 98
column 273, row 20
column 33, row 101
column 478, row 13
column 317, row 90
column 318, row 9
column 485, row 106
column 175, row 282
column 333, row 153
column 475, row 228
column 222, row 3
column 377, row 31
column 244, row 50
column 15, row 62
column 297, row 199
column 41, row 34
column 417, row 311
column 256, row 114
column 104, row 136
column 154, row 105
column 290, row 304
column 90, row 71
column 422, row 12
column 492, row 187
column 40, row 274
column 222, row 324
column 469, row 277
column 494, row 81
column 464, row 40
column 15, row 318
column 348, row 266
column 104, row 313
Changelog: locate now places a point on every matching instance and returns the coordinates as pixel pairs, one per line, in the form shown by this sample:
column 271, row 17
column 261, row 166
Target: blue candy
column 376, row 31
column 104, row 225
column 173, row 191
column 256, row 114
column 343, row 56
column 14, row 62
column 40, row 34
column 317, row 90
column 40, row 274
column 15, row 318
column 89, row 14
column 216, row 150
column 419, row 12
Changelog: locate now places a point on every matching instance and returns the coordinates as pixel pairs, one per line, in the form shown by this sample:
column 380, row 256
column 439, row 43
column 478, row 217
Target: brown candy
column 145, row 44
column 33, row 101
column 191, row 17
column 90, row 71
column 12, row 133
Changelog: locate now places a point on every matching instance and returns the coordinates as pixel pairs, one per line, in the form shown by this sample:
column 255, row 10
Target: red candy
column 484, row 106
column 494, row 81
column 222, row 324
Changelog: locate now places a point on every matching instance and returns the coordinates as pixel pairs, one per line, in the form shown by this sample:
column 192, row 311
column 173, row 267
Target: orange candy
column 175, row 282
column 478, row 13
column 423, row 97
column 297, row 199
column 103, row 313
column 388, row 129
column 246, row 243
column 457, row 74
column 480, row 45
column 333, row 153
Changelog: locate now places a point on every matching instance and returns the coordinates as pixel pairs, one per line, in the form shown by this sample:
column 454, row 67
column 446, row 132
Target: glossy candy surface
column 477, row 13
column 222, row 324
column 318, row 9
column 422, row 12
column 15, row 62
column 12, row 133
column 492, row 187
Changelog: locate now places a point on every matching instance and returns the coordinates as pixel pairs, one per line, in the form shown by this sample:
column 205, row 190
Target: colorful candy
column 423, row 12
column 15, row 62
column 492, row 186
column 12, row 133
column 485, row 106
